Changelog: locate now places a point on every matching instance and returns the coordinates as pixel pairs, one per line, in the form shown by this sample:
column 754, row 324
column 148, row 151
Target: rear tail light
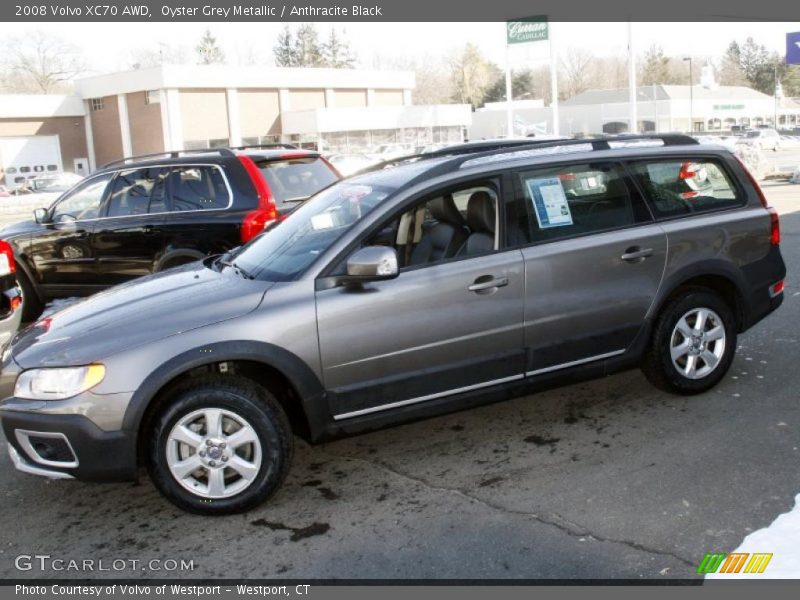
column 776, row 289
column 7, row 264
column 688, row 171
column 255, row 220
column 775, row 223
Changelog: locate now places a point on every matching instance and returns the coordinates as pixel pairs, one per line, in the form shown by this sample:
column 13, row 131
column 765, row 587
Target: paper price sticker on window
column 549, row 202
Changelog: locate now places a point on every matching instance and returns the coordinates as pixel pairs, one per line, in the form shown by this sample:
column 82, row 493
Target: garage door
column 23, row 158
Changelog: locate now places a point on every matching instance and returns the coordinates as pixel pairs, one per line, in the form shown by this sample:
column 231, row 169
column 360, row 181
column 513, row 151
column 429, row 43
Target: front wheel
column 693, row 343
column 223, row 445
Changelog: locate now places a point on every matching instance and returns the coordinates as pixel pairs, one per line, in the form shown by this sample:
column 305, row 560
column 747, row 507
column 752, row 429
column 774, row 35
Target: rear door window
column 137, row 192
column 566, row 201
column 293, row 180
column 684, row 186
column 193, row 188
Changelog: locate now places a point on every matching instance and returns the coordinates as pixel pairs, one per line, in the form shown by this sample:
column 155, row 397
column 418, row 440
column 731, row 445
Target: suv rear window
column 295, row 179
column 685, row 186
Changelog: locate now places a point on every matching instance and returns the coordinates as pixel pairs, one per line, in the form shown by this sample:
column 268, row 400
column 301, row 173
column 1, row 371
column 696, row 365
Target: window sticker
column 549, row 202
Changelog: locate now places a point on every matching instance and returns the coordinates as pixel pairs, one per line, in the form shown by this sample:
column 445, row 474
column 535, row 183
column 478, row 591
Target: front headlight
column 57, row 384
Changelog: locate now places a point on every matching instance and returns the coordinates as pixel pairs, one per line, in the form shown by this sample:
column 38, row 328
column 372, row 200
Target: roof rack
column 463, row 155
column 168, row 154
column 277, row 146
column 455, row 150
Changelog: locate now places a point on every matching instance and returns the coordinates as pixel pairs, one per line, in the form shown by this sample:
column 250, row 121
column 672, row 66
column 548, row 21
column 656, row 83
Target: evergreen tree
column 208, row 53
column 336, row 52
column 307, row 47
column 655, row 67
column 284, row 49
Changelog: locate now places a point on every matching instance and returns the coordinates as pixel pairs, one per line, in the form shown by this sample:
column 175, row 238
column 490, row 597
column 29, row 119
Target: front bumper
column 95, row 455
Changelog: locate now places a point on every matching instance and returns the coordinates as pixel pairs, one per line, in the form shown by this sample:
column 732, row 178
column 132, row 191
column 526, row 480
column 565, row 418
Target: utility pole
column 691, row 95
column 633, row 119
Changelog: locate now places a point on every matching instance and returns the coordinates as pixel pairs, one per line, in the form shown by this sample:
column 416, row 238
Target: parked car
column 143, row 215
column 400, row 293
column 347, row 164
column 10, row 297
column 4, row 193
column 765, row 139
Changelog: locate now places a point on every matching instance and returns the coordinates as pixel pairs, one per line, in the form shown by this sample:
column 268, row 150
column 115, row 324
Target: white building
column 659, row 108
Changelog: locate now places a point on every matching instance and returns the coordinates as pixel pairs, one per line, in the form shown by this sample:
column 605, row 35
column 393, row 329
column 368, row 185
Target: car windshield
column 753, row 134
column 285, row 251
column 296, row 179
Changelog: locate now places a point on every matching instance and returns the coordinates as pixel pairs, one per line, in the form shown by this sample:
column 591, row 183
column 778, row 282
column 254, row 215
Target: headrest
column 444, row 210
column 480, row 213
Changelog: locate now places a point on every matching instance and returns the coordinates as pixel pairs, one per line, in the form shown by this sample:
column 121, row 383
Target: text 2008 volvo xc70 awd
column 436, row 284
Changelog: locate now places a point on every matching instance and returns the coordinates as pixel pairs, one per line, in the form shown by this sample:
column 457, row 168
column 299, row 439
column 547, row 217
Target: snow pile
column 782, row 539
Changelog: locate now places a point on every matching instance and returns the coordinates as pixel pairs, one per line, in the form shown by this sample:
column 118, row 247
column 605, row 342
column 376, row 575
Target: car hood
column 20, row 229
column 136, row 313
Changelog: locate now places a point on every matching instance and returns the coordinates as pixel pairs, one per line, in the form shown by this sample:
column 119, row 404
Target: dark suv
column 436, row 284
column 144, row 214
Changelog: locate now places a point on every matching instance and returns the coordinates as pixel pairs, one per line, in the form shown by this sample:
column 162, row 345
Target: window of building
column 152, row 97
column 97, row 104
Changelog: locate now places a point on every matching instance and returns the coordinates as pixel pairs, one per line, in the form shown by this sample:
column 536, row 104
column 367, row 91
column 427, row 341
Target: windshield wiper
column 296, row 199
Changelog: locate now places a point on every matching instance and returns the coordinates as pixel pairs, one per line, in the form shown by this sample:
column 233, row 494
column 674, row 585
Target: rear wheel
column 222, row 446
column 32, row 306
column 693, row 343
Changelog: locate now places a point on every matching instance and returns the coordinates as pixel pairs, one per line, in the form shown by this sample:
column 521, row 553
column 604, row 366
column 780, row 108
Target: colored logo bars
column 736, row 562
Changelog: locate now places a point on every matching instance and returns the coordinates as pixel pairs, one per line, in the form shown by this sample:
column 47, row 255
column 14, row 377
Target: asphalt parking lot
column 605, row 479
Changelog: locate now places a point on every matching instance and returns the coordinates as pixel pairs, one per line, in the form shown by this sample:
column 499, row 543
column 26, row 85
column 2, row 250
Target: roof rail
column 167, row 154
column 278, row 146
column 597, row 143
column 455, row 150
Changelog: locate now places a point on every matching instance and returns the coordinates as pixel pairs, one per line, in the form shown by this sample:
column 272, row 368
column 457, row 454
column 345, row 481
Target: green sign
column 729, row 107
column 530, row 29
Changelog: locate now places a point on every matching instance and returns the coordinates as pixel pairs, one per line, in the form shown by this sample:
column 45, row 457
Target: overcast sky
column 109, row 46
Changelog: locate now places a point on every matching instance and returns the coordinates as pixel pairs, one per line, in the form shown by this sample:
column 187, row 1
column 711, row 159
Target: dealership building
column 193, row 107
column 659, row 108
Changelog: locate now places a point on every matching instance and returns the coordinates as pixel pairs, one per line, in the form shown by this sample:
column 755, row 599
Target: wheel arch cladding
column 264, row 363
column 718, row 276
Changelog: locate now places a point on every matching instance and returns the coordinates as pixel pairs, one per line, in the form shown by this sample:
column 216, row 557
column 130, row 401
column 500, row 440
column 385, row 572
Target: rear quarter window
column 200, row 187
column 294, row 180
column 685, row 186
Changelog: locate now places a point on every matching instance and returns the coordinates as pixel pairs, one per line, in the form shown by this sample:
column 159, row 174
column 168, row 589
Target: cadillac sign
column 530, row 29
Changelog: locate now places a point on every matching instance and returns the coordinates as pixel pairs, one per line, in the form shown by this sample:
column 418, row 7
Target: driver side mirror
column 40, row 215
column 372, row 263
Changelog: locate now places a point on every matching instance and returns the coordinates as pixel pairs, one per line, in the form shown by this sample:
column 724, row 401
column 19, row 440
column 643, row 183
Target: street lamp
column 691, row 96
column 777, row 84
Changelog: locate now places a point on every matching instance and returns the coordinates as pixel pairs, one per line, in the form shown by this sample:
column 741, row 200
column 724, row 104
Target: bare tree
column 40, row 63
column 577, row 66
column 471, row 75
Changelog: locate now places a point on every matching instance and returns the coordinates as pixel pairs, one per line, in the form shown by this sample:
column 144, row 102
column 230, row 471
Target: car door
column 594, row 260
column 128, row 238
column 61, row 252
column 449, row 325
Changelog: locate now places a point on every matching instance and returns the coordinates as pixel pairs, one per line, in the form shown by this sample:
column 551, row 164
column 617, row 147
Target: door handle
column 636, row 254
column 487, row 282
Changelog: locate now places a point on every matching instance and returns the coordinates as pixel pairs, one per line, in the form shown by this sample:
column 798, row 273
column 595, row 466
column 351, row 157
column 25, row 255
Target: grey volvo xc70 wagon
column 434, row 284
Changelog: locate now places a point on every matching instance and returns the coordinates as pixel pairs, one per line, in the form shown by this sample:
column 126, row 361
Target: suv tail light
column 775, row 222
column 7, row 264
column 255, row 220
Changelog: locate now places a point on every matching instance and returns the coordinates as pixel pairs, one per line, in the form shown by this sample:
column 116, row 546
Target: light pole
column 775, row 121
column 691, row 96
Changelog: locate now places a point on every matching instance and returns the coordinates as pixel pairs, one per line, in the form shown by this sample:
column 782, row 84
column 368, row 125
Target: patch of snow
column 780, row 539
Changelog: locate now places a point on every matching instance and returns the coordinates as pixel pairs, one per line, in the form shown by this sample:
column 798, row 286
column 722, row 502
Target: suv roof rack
column 466, row 153
column 224, row 151
column 277, row 146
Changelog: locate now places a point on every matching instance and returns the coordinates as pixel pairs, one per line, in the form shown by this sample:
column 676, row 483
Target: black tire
column 32, row 306
column 258, row 407
column 657, row 364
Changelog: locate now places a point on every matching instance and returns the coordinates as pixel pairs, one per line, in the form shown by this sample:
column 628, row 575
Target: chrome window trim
column 115, row 172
